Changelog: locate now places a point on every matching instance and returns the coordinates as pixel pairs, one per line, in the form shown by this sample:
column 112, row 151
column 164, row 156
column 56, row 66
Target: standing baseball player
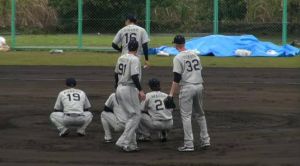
column 71, row 110
column 154, row 114
column 129, row 32
column 187, row 74
column 129, row 93
column 112, row 117
column 3, row 46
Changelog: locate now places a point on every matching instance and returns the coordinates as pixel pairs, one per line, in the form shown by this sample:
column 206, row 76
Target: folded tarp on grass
column 224, row 46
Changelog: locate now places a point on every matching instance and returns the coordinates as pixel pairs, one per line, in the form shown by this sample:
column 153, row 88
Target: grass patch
column 109, row 59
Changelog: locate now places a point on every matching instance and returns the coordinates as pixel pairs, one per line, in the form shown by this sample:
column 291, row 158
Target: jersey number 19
column 74, row 97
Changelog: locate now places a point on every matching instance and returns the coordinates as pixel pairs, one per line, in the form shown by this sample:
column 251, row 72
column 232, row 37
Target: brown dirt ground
column 253, row 118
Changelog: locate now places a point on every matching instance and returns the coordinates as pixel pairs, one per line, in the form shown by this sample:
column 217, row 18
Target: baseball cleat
column 81, row 133
column 163, row 136
column 64, row 132
column 186, row 149
column 108, row 141
column 205, row 146
column 130, row 149
column 144, row 139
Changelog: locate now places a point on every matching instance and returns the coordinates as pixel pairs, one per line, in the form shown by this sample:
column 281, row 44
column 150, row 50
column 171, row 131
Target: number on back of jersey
column 73, row 97
column 192, row 65
column 159, row 105
column 122, row 69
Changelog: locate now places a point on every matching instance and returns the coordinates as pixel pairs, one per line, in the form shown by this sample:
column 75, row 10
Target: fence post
column 80, row 5
column 284, row 22
column 148, row 16
column 216, row 16
column 13, row 24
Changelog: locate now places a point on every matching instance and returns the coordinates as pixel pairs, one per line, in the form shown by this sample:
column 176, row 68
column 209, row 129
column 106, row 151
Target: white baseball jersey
column 127, row 66
column 187, row 63
column 155, row 106
column 113, row 104
column 2, row 41
column 129, row 32
column 72, row 101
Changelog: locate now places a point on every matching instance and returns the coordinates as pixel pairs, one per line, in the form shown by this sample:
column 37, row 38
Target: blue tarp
column 223, row 46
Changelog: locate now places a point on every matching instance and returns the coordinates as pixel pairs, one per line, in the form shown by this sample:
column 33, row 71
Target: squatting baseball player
column 187, row 73
column 71, row 110
column 112, row 117
column 129, row 32
column 129, row 93
column 154, row 114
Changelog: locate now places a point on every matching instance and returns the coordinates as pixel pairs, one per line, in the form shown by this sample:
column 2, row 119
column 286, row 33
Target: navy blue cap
column 179, row 39
column 133, row 45
column 154, row 84
column 71, row 82
column 131, row 18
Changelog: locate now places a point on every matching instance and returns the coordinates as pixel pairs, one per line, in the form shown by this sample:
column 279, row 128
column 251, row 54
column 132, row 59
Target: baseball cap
column 131, row 18
column 179, row 39
column 154, row 84
column 71, row 82
column 133, row 45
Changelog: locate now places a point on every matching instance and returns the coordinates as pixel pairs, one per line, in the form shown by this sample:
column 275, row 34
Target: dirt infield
column 253, row 118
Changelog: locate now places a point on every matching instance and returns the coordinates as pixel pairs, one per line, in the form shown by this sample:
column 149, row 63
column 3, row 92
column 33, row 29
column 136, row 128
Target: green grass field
column 94, row 40
column 109, row 59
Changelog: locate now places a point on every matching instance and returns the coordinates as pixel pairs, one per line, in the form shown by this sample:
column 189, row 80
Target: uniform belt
column 127, row 84
column 73, row 114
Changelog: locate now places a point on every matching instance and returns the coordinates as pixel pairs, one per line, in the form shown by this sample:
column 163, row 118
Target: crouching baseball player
column 154, row 114
column 112, row 117
column 71, row 110
column 3, row 46
column 128, row 94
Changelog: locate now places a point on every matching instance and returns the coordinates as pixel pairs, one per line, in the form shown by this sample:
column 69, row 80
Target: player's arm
column 58, row 107
column 117, row 40
column 135, row 72
column 145, row 50
column 116, row 80
column 87, row 104
column 175, row 84
column 116, row 47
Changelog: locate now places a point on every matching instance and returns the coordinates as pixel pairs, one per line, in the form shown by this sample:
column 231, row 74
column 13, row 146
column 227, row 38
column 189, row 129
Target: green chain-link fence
column 91, row 24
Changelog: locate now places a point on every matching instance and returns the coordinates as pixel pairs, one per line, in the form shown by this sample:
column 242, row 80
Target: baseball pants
column 190, row 101
column 147, row 124
column 110, row 121
column 80, row 122
column 127, row 97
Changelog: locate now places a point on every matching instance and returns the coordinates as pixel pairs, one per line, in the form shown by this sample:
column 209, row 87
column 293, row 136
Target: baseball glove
column 169, row 103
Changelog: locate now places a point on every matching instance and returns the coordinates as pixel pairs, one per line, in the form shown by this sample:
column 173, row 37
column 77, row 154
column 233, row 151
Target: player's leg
column 163, row 127
column 186, row 106
column 200, row 116
column 87, row 119
column 109, row 120
column 128, row 99
column 57, row 118
column 144, row 128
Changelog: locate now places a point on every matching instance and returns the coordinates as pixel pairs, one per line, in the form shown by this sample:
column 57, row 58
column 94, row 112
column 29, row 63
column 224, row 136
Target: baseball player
column 187, row 74
column 112, row 117
column 3, row 45
column 154, row 114
column 129, row 32
column 128, row 94
column 71, row 110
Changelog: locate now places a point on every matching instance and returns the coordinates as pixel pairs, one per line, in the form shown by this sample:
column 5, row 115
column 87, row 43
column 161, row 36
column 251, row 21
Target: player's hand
column 169, row 102
column 142, row 95
column 147, row 65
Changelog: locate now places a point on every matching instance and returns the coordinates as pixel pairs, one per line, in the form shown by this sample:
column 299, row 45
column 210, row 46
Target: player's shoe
column 205, row 145
column 163, row 136
column 142, row 138
column 130, row 149
column 81, row 133
column 107, row 141
column 186, row 149
column 64, row 132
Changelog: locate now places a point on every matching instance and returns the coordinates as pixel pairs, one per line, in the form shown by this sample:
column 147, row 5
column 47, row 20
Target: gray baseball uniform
column 73, row 102
column 129, row 32
column 127, row 97
column 188, row 64
column 159, row 117
column 115, row 120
